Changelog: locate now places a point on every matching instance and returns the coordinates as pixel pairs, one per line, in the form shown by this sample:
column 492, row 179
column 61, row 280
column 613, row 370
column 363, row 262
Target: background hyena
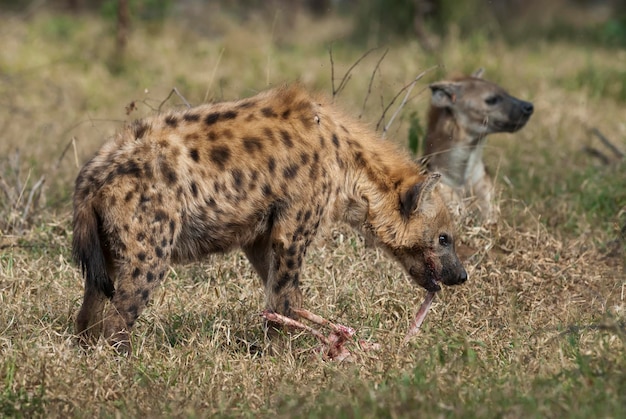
column 264, row 174
column 463, row 112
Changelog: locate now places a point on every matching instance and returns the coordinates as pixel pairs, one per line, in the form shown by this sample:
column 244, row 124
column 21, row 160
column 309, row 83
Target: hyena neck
column 451, row 149
column 370, row 200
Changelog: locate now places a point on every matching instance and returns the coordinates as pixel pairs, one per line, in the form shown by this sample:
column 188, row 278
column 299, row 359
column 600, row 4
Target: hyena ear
column 418, row 197
column 478, row 73
column 444, row 94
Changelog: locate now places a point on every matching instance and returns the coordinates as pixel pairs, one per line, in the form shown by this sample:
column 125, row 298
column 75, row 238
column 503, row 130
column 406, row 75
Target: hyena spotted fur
column 263, row 174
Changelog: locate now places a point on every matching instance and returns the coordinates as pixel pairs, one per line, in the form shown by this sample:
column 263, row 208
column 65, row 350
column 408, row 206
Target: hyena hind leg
column 136, row 282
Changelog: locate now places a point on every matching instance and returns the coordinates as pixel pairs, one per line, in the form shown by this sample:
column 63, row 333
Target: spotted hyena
column 463, row 112
column 263, row 174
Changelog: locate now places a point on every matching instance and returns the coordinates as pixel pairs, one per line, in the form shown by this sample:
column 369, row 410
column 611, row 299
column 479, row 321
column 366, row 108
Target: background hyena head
column 426, row 246
column 481, row 107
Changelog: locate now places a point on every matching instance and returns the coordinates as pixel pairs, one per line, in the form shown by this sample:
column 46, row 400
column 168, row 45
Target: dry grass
column 540, row 328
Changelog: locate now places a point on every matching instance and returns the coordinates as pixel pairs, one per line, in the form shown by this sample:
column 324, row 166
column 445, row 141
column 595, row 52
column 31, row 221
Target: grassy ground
column 539, row 330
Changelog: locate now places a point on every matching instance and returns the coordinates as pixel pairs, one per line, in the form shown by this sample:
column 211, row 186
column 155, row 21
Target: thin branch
column 75, row 152
column 369, row 87
column 34, row 189
column 21, row 190
column 594, row 152
column 332, row 69
column 174, row 90
column 408, row 88
column 347, row 76
column 15, row 166
column 269, row 50
column 67, row 147
column 8, row 192
column 212, row 79
column 607, row 142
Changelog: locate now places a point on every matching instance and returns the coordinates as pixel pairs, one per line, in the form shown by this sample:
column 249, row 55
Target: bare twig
column 35, row 189
column 212, row 79
column 174, row 90
column 75, row 152
column 347, row 76
column 67, row 147
column 8, row 192
column 21, row 190
column 618, row 153
column 408, row 88
column 594, row 152
column 369, row 87
column 269, row 50
column 15, row 167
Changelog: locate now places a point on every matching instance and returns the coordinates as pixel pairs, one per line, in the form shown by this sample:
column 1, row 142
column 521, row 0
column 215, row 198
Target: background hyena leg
column 136, row 282
column 90, row 317
column 484, row 192
column 259, row 254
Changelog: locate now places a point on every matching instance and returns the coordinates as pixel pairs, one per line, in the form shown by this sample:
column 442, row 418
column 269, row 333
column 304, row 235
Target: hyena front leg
column 287, row 253
column 282, row 289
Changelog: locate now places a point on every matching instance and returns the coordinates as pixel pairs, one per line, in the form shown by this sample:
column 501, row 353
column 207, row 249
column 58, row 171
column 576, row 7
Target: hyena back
column 263, row 174
column 463, row 112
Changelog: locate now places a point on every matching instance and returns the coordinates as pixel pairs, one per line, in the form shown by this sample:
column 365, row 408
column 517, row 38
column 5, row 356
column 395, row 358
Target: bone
column 288, row 321
column 339, row 328
column 420, row 316
column 332, row 346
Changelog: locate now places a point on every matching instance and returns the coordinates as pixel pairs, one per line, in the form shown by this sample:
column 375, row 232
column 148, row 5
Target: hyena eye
column 493, row 100
column 444, row 240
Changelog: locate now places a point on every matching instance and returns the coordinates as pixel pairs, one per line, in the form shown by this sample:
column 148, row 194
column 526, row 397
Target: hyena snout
column 445, row 269
column 454, row 274
column 527, row 108
column 519, row 113
column 452, row 270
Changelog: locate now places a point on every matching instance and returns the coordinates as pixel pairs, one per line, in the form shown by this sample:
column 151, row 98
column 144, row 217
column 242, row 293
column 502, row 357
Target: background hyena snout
column 519, row 114
column 527, row 108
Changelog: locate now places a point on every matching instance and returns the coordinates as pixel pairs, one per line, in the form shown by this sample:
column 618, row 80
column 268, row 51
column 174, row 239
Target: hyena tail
column 88, row 252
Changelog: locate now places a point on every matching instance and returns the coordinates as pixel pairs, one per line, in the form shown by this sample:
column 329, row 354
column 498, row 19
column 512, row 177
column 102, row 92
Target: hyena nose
column 527, row 108
column 463, row 276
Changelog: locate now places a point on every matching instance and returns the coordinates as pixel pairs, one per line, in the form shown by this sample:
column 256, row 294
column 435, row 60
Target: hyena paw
column 120, row 341
column 117, row 335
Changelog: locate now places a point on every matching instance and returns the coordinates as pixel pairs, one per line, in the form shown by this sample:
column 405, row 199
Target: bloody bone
column 333, row 345
column 420, row 316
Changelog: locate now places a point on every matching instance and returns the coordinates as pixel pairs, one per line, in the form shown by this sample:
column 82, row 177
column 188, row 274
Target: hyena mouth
column 428, row 279
column 511, row 126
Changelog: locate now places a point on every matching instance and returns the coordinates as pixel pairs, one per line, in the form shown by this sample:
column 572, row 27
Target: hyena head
column 426, row 246
column 479, row 106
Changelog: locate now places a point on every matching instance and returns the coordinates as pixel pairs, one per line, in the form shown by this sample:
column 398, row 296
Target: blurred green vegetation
column 144, row 10
column 387, row 20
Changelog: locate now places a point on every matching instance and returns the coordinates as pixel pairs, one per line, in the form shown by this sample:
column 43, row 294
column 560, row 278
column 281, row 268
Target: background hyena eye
column 492, row 100
column 444, row 240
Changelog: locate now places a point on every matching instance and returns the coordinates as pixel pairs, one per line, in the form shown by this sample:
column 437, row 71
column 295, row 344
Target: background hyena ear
column 444, row 93
column 478, row 73
column 417, row 197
